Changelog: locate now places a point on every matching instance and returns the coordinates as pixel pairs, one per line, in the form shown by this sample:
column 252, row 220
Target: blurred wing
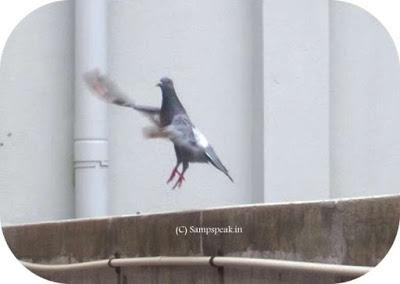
column 180, row 132
column 105, row 89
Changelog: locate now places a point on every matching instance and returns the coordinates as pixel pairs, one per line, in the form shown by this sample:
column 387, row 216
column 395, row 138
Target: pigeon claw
column 173, row 173
column 179, row 182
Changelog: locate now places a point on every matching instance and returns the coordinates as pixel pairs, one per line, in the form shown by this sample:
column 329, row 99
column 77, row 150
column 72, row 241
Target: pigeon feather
column 108, row 91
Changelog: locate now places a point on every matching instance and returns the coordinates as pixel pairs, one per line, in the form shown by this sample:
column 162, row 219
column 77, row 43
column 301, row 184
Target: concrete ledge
column 351, row 232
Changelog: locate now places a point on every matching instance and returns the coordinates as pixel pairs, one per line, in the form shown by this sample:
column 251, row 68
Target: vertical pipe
column 90, row 128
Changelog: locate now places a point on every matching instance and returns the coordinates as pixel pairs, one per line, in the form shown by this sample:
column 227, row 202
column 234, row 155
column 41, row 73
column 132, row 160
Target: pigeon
column 171, row 121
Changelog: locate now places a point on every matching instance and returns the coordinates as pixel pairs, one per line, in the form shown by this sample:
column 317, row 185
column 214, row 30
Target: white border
column 12, row 12
column 387, row 13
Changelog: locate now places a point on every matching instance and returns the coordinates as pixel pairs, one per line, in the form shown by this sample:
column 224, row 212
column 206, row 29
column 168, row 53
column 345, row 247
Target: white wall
column 365, row 103
column 36, row 107
column 210, row 59
column 296, row 100
column 297, row 97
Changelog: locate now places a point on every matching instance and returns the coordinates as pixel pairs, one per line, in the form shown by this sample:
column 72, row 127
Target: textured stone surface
column 353, row 232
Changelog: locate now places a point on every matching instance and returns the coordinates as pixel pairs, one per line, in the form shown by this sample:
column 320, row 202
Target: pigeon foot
column 179, row 182
column 173, row 173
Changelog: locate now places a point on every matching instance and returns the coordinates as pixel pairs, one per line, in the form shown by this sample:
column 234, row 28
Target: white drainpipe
column 90, row 129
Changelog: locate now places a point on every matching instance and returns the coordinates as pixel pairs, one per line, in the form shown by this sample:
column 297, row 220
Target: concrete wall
column 316, row 232
column 298, row 98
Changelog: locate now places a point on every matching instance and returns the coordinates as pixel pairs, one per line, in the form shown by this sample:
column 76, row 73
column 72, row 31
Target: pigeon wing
column 180, row 131
column 108, row 91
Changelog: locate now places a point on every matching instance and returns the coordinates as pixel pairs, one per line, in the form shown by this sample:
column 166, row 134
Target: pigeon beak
column 158, row 85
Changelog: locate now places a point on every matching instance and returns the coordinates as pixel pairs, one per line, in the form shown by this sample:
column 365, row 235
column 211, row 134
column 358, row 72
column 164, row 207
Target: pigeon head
column 165, row 83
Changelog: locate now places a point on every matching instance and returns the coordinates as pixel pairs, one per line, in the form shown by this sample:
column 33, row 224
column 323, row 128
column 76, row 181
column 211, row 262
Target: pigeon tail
column 214, row 160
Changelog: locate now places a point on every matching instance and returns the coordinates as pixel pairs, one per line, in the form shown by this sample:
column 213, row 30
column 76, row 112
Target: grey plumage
column 170, row 121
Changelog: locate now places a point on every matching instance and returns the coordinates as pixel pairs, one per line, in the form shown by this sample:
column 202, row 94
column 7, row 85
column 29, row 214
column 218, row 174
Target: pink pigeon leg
column 173, row 173
column 179, row 182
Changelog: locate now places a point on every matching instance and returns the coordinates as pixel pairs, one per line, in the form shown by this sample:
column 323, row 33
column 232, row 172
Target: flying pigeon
column 170, row 121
